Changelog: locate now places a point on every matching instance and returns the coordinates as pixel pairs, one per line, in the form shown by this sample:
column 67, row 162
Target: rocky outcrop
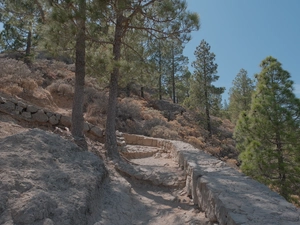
column 31, row 113
column 226, row 195
column 47, row 180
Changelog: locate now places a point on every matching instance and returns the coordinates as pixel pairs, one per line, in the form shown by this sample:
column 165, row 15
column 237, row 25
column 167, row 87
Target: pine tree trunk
column 173, row 75
column 28, row 48
column 207, row 114
column 142, row 92
column 128, row 89
column 160, row 77
column 281, row 167
column 77, row 109
column 110, row 130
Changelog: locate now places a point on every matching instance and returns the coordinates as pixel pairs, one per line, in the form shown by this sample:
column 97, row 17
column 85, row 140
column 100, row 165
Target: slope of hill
column 50, row 84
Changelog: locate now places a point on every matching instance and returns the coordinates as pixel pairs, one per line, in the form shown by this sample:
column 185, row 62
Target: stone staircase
column 227, row 196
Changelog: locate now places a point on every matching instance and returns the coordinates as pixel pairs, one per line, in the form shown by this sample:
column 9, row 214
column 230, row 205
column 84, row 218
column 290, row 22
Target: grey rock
column 48, row 222
column 22, row 104
column 47, row 180
column 65, row 121
column 86, row 127
column 37, row 206
column 2, row 100
column 8, row 107
column 40, row 116
column 19, row 109
column 49, row 114
column 53, row 120
column 26, row 115
column 32, row 108
column 96, row 131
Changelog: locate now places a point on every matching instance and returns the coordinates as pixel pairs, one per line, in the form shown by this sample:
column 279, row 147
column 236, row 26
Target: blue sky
column 244, row 32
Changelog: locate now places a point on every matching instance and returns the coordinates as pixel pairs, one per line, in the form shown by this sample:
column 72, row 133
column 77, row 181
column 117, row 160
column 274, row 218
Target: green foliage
column 268, row 135
column 204, row 95
column 240, row 95
column 21, row 21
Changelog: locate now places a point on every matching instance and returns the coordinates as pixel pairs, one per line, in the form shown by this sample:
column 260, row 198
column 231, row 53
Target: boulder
column 40, row 116
column 47, row 180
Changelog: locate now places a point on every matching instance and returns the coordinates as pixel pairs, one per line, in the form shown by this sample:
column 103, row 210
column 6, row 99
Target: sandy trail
column 128, row 201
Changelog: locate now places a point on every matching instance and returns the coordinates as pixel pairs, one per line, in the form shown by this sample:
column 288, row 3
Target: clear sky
column 244, row 32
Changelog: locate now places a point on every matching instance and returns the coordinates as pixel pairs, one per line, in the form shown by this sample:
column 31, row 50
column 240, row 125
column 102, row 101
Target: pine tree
column 157, row 19
column 20, row 20
column 68, row 22
column 268, row 135
column 177, row 65
column 240, row 95
column 203, row 93
column 183, row 85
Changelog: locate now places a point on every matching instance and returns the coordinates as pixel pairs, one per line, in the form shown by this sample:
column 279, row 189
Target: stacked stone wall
column 34, row 114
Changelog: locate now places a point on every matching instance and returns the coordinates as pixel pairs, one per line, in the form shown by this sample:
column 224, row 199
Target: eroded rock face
column 46, row 180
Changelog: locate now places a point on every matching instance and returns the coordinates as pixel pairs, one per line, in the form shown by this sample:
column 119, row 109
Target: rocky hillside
column 49, row 84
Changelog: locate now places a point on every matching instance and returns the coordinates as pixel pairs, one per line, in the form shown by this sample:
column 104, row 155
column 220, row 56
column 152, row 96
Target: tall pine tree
column 240, row 95
column 21, row 21
column 268, row 135
column 203, row 92
column 157, row 19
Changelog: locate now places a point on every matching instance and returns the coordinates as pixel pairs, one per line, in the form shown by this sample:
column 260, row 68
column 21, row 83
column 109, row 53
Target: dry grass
column 196, row 142
column 61, row 88
column 17, row 78
column 163, row 132
column 129, row 108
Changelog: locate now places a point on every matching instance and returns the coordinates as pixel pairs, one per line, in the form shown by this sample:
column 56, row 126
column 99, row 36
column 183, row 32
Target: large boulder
column 47, row 180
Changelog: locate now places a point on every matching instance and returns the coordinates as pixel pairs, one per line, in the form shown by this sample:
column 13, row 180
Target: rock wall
column 31, row 113
column 226, row 195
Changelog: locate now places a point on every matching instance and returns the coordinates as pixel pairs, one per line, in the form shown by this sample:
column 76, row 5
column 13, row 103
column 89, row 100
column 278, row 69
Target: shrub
column 196, row 142
column 163, row 132
column 127, row 109
column 28, row 85
column 60, row 87
column 12, row 89
column 95, row 102
column 149, row 124
column 16, row 77
column 65, row 90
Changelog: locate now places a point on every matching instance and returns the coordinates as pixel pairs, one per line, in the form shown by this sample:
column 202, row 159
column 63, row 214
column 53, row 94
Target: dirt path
column 163, row 205
column 128, row 201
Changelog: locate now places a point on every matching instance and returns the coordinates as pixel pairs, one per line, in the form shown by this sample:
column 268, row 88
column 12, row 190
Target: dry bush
column 163, row 132
column 128, row 109
column 214, row 150
column 28, row 85
column 149, row 124
column 16, row 77
column 53, row 88
column 60, row 87
column 12, row 89
column 183, row 122
column 95, row 102
column 196, row 142
column 94, row 110
column 71, row 67
column 52, row 69
column 65, row 90
column 149, row 114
